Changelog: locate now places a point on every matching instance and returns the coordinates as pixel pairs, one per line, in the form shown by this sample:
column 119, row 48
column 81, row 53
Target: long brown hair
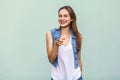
column 73, row 26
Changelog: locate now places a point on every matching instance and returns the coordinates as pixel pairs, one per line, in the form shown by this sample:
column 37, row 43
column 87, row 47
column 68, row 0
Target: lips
column 63, row 22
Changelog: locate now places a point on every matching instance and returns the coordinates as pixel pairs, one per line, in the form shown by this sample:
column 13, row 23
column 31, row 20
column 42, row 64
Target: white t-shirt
column 65, row 69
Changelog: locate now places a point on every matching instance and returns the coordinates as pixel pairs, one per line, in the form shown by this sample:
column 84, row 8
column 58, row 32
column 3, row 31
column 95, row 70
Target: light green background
column 23, row 26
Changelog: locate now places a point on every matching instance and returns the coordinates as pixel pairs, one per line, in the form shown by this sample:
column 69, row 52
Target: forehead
column 63, row 11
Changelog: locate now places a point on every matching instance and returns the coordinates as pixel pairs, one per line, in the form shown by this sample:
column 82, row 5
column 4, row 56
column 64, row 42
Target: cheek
column 59, row 20
column 68, row 19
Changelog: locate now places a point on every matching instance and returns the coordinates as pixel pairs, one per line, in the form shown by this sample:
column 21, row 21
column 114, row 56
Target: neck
column 65, row 30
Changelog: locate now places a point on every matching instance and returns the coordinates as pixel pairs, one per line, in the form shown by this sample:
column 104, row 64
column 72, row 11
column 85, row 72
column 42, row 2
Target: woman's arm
column 51, row 49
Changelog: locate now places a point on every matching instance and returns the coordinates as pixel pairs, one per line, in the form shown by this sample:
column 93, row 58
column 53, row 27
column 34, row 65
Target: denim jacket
column 56, row 34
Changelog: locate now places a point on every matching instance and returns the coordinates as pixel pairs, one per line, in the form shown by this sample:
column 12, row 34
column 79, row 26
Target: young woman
column 64, row 47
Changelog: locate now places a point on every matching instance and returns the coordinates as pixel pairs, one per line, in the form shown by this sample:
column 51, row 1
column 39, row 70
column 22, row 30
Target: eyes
column 64, row 15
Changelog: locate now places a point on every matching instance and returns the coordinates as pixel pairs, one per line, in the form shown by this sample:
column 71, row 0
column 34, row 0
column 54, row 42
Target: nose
column 62, row 18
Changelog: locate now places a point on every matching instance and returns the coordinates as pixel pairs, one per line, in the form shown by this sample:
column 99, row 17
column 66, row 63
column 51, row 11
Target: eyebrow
column 63, row 14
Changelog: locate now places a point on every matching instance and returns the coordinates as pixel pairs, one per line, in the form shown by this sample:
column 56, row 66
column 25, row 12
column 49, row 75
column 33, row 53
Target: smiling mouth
column 63, row 22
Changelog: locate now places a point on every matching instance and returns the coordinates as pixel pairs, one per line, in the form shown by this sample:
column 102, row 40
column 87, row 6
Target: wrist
column 56, row 44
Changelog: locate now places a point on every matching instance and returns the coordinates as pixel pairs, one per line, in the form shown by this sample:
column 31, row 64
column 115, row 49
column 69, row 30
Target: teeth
column 62, row 22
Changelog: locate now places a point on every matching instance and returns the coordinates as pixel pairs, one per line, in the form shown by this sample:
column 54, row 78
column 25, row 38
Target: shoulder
column 50, row 32
column 54, row 30
column 48, row 35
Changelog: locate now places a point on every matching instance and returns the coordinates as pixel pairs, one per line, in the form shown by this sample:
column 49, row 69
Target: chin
column 63, row 25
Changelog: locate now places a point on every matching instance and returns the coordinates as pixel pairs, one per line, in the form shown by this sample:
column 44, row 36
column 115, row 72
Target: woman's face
column 64, row 18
